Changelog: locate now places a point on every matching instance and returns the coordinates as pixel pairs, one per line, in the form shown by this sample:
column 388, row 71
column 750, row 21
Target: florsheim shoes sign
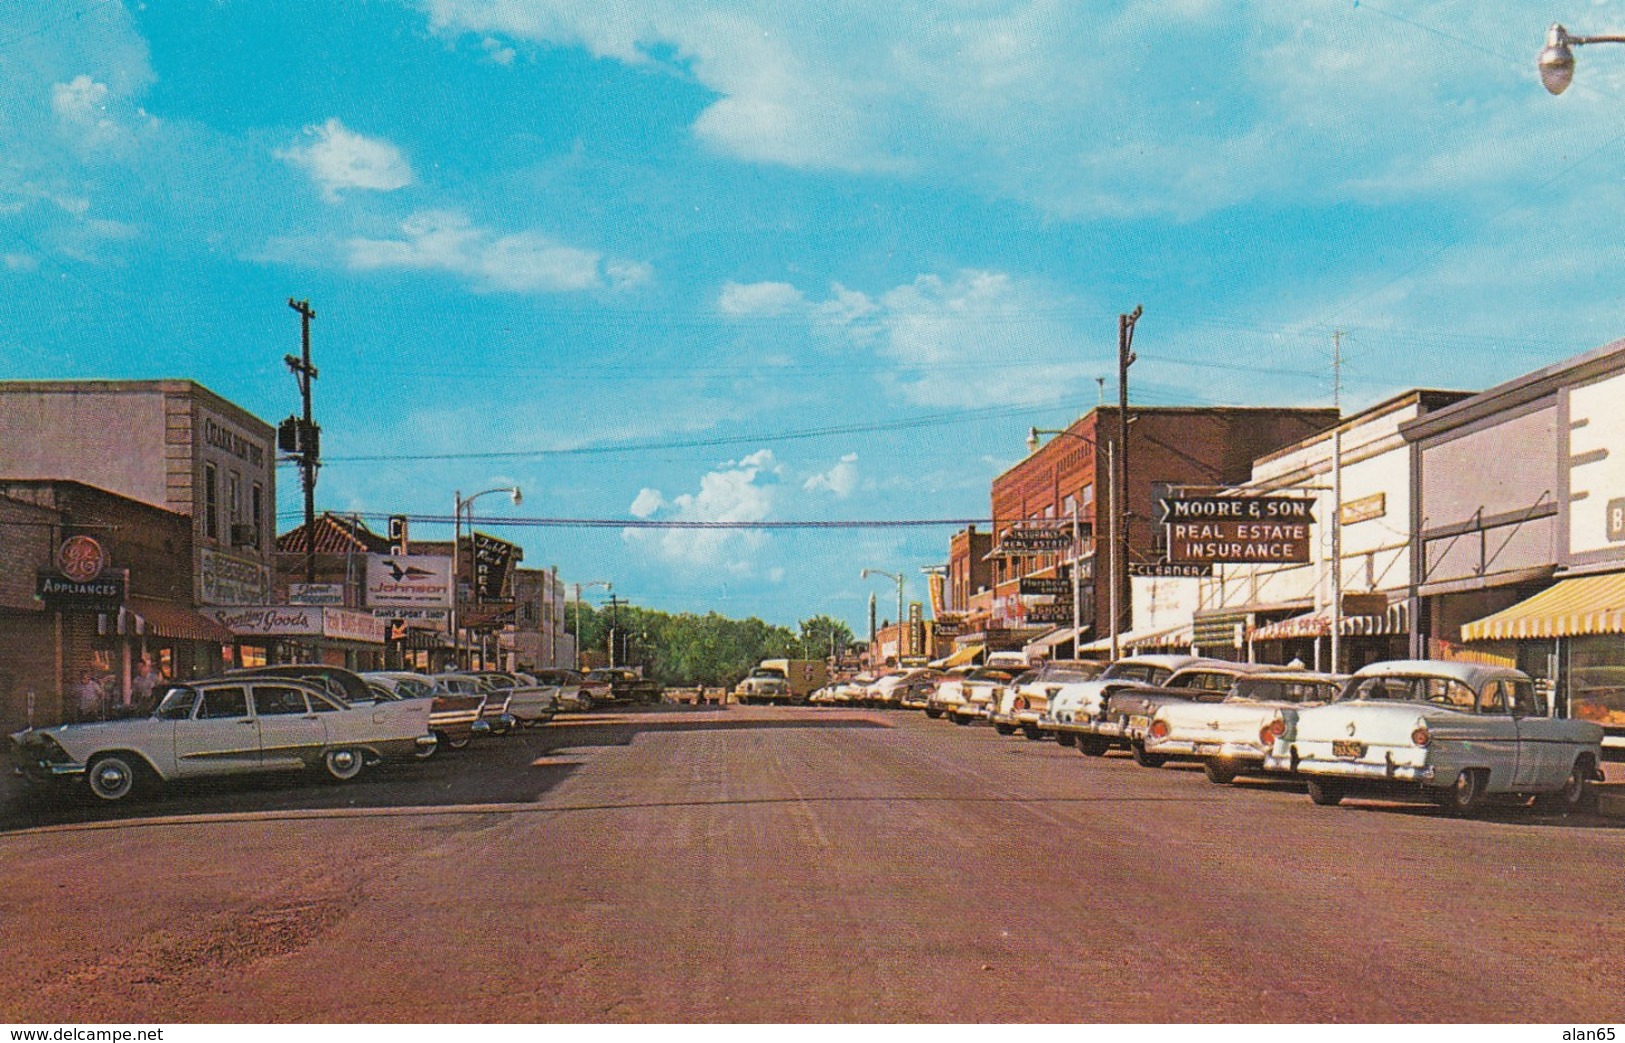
column 1238, row 529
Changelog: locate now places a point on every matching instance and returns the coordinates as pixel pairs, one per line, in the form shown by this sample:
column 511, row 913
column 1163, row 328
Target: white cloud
column 497, row 51
column 761, row 298
column 19, row 262
column 739, row 491
column 95, row 117
column 520, row 262
column 841, row 480
column 340, row 159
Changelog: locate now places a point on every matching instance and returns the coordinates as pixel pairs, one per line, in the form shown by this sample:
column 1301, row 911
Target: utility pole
column 1125, row 359
column 615, row 603
column 309, row 445
column 1337, row 500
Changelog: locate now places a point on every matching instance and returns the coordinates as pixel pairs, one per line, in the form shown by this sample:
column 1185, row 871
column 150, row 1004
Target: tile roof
column 335, row 534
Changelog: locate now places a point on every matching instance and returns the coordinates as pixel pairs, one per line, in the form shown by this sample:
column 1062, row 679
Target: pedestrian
column 89, row 697
column 141, row 688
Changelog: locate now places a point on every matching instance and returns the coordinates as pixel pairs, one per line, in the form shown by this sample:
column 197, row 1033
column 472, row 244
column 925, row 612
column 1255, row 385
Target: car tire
column 1004, row 729
column 457, row 744
column 426, row 753
column 961, row 720
column 933, row 712
column 1093, row 745
column 1326, row 794
column 1146, row 760
column 1464, row 797
column 1219, row 773
column 1032, row 733
column 1066, row 738
column 343, row 764
column 586, row 703
column 113, row 777
column 1576, row 794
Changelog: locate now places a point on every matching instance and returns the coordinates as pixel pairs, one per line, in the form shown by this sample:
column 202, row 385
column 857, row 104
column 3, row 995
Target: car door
column 1496, row 743
column 1543, row 755
column 291, row 735
column 221, row 737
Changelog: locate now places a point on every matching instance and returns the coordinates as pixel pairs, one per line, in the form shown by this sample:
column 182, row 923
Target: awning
column 1319, row 624
column 1050, row 640
column 167, row 619
column 960, row 657
column 1179, row 636
column 1571, row 607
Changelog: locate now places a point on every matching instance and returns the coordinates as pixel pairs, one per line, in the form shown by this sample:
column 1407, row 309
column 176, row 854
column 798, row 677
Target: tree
column 823, row 636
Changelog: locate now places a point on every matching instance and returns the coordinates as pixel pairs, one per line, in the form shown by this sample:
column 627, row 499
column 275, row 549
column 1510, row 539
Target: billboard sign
column 408, row 581
column 1239, row 529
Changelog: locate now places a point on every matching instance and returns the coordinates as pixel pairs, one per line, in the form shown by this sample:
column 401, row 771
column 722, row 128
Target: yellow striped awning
column 960, row 657
column 1571, row 607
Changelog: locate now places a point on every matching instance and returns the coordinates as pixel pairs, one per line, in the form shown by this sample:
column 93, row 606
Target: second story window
column 211, row 502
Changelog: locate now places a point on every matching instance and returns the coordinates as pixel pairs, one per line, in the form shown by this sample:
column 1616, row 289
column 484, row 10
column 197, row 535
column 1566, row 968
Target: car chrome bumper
column 37, row 770
column 1350, row 769
column 1198, row 748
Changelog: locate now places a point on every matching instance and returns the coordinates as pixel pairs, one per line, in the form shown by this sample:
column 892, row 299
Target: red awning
column 167, row 619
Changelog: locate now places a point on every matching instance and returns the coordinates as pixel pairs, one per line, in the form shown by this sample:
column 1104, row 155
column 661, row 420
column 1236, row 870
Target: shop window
column 1596, row 679
column 251, row 655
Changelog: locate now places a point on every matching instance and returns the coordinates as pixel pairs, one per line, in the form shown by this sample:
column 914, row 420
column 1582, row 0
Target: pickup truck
column 628, row 686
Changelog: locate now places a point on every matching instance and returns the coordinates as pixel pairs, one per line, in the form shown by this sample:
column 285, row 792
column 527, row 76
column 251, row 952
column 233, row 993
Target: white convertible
column 1451, row 732
column 228, row 726
column 1227, row 736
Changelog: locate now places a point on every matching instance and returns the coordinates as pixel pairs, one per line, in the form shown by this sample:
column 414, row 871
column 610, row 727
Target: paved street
column 797, row 864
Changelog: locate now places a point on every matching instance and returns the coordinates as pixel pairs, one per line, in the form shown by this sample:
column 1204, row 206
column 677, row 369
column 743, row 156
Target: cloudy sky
column 814, row 259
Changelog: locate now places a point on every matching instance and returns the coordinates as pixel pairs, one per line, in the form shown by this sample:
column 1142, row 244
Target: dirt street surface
column 742, row 864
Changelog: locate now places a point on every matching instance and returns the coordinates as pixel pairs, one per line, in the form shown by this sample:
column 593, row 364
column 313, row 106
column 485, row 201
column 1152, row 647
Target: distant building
column 539, row 639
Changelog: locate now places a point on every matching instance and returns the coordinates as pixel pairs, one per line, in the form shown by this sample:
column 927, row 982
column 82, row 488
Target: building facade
column 539, row 639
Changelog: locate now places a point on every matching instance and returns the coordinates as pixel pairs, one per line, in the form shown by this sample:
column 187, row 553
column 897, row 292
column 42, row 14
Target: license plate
column 1208, row 749
column 1139, row 721
column 1347, row 748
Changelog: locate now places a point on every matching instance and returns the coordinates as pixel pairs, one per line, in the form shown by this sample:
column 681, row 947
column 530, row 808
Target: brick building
column 1166, row 447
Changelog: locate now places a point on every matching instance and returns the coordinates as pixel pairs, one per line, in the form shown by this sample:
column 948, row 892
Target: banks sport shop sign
column 1238, row 530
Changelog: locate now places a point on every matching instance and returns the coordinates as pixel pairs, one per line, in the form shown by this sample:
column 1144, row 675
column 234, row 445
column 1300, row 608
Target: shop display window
column 1596, row 679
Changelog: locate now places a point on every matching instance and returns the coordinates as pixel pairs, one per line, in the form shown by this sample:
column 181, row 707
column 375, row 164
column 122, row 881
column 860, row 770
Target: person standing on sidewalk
column 88, row 697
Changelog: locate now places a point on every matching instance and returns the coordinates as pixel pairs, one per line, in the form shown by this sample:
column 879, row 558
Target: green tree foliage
column 690, row 649
column 824, row 636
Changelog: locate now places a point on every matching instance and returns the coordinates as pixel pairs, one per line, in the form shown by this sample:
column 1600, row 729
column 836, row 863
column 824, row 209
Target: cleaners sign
column 1238, row 529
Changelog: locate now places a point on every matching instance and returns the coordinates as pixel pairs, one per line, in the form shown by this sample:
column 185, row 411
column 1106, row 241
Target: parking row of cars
column 304, row 717
column 1457, row 734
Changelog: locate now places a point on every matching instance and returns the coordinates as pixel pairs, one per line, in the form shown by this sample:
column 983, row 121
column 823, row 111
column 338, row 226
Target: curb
column 1611, row 799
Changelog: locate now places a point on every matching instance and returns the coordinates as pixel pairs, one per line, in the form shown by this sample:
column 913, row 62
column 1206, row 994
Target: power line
column 657, row 523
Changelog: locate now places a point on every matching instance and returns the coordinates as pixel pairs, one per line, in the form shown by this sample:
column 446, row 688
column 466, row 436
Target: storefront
column 304, row 634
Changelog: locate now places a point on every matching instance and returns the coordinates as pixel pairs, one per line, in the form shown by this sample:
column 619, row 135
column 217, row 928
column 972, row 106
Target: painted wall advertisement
column 408, row 581
column 224, row 579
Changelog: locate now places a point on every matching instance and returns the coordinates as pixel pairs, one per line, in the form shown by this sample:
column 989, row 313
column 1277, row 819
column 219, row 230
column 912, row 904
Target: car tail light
column 1159, row 729
column 1271, row 731
column 1420, row 735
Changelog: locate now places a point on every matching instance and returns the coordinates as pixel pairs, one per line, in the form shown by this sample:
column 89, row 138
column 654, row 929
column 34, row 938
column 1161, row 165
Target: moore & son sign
column 1238, row 529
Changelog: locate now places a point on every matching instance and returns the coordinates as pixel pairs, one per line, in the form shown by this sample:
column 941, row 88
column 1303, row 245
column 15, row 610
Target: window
column 177, row 705
column 1526, row 702
column 223, row 702
column 1493, row 699
column 211, row 502
column 278, row 700
column 234, row 496
column 256, row 506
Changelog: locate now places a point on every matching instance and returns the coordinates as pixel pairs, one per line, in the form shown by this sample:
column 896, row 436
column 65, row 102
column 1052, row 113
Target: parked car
column 981, row 688
column 344, row 684
column 1073, row 709
column 1224, row 736
column 530, row 702
column 495, row 711
column 1452, row 733
column 628, row 686
column 764, row 684
column 1025, row 700
column 454, row 719
column 882, row 691
column 227, row 726
column 1129, row 710
column 914, row 692
column 570, row 690
column 949, row 693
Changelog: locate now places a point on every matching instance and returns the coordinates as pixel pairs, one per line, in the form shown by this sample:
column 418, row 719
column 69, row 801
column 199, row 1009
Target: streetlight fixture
column 1111, row 491
column 1556, row 61
column 459, row 502
column 607, row 585
column 896, row 577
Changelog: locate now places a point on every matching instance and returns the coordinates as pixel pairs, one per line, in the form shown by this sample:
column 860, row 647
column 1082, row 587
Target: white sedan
column 1229, row 737
column 229, row 726
column 1450, row 732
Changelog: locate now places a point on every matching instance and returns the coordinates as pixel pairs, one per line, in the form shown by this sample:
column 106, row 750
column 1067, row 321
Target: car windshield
column 1439, row 691
column 776, row 675
column 1278, row 690
column 1029, row 676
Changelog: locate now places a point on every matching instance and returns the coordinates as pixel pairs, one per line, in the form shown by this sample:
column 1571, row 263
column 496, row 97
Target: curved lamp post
column 1111, row 487
column 896, row 577
column 459, row 502
column 1556, row 61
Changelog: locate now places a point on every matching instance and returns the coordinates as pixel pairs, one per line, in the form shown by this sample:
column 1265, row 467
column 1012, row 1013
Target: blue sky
column 597, row 233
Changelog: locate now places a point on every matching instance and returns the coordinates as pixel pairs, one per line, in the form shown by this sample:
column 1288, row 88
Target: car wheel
column 112, row 776
column 1032, row 733
column 1576, row 794
column 586, row 703
column 1004, row 729
column 932, row 712
column 1066, row 738
column 457, row 744
column 343, row 764
column 1327, row 794
column 1093, row 745
column 424, row 753
column 1464, row 796
column 960, row 719
column 1219, row 773
column 1146, row 760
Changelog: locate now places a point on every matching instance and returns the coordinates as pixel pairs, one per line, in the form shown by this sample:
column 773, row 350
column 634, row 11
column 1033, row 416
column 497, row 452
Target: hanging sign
column 1239, row 529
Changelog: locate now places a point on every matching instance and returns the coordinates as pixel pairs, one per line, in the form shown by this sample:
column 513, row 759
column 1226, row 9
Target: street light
column 1556, row 61
column 896, row 577
column 459, row 501
column 1111, row 492
column 607, row 585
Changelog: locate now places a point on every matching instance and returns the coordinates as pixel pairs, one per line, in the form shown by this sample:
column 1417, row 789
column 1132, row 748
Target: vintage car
column 529, row 701
column 1025, row 700
column 495, row 712
column 1074, row 707
column 338, row 682
column 914, row 692
column 628, row 686
column 227, row 726
column 900, row 687
column 981, row 688
column 1224, row 736
column 454, row 718
column 950, row 691
column 1453, row 733
column 570, row 691
column 1128, row 713
column 764, row 684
